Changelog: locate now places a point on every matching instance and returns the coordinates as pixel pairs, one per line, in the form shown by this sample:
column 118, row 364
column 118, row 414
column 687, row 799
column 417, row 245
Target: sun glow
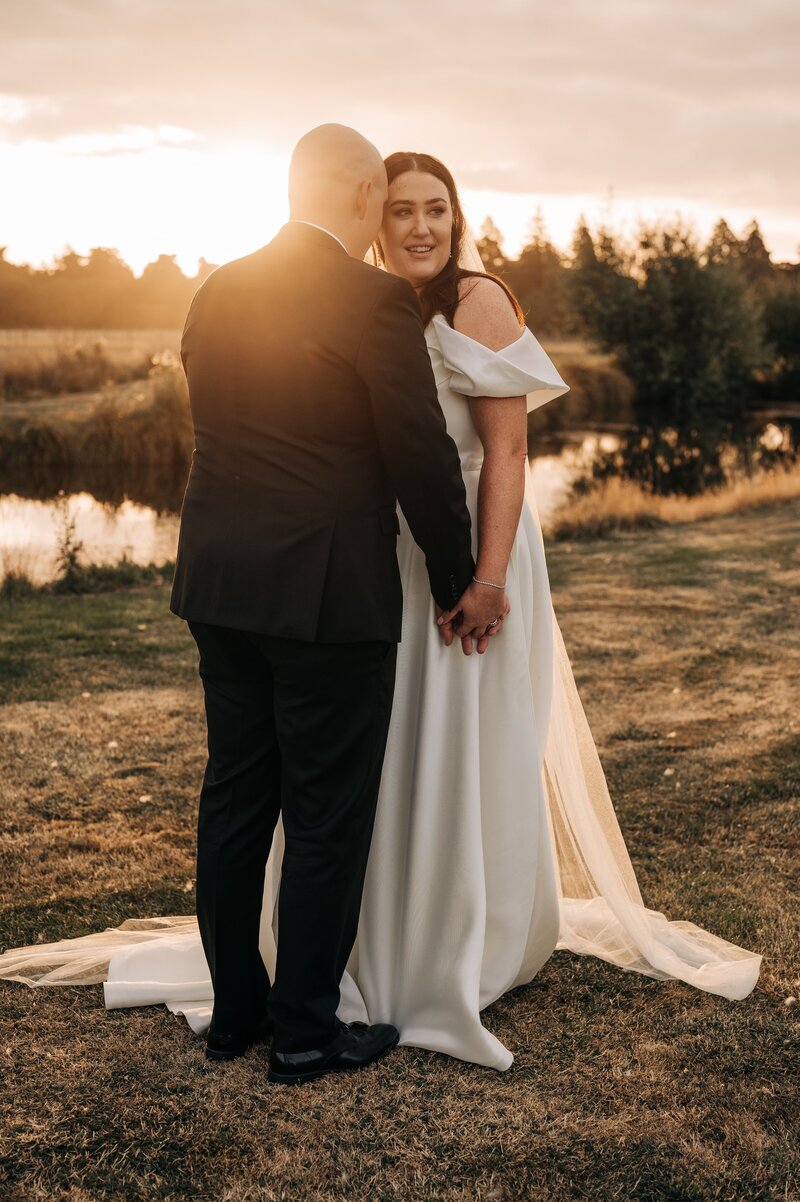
column 145, row 193
column 165, row 190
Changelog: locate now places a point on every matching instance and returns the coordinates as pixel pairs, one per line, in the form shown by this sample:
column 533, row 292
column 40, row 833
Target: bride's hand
column 476, row 617
column 482, row 642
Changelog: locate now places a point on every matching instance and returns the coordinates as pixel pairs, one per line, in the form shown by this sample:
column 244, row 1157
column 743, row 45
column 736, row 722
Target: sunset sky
column 166, row 125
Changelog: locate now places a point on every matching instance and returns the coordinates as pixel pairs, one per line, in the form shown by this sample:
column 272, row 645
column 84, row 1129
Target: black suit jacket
column 315, row 410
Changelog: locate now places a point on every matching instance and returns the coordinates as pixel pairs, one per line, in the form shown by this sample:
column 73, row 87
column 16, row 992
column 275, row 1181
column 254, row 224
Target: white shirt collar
column 313, row 224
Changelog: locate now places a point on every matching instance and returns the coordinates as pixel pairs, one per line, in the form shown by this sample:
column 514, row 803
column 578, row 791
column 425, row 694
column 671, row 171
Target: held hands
column 475, row 618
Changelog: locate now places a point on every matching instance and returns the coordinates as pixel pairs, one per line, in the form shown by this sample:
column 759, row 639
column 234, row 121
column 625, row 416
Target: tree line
column 98, row 291
column 705, row 333
column 708, row 335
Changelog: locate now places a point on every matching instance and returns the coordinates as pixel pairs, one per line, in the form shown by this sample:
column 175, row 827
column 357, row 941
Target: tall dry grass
column 619, row 504
column 149, row 429
column 35, row 363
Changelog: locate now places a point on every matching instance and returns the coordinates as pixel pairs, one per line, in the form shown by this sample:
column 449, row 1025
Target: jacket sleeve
column 191, row 336
column 420, row 456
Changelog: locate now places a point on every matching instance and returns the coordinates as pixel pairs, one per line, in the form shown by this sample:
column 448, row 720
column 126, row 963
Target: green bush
column 782, row 332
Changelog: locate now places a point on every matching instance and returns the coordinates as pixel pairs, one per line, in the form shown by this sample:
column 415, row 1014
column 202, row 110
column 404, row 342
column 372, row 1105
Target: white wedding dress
column 495, row 839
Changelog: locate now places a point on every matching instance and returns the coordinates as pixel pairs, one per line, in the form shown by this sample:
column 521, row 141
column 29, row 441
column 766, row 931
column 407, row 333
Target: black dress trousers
column 297, row 729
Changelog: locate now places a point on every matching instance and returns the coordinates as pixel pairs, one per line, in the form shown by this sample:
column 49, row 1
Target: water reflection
column 137, row 516
column 30, row 532
column 161, row 490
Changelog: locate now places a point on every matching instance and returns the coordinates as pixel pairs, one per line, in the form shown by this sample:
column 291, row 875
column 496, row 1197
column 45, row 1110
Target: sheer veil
column 602, row 912
column 601, row 907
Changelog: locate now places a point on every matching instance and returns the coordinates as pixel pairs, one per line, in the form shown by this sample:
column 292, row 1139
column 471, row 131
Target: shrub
column 16, row 583
column 105, row 578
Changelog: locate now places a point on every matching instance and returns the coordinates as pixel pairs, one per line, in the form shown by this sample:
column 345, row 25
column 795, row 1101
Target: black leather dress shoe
column 355, row 1045
column 227, row 1046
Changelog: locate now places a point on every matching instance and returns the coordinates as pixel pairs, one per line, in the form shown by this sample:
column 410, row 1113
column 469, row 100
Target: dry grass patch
column 685, row 646
column 619, row 504
column 140, row 433
column 36, row 363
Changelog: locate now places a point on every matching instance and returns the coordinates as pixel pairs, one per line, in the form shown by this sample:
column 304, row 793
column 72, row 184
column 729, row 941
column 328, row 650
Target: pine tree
column 490, row 248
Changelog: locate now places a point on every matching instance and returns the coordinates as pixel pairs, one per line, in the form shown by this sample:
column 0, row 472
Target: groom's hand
column 476, row 617
column 445, row 628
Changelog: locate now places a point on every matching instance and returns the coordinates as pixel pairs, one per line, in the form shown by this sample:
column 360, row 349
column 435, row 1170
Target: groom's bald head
column 330, row 159
column 334, row 172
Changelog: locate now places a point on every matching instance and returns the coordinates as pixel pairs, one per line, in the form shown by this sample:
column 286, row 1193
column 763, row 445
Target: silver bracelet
column 488, row 583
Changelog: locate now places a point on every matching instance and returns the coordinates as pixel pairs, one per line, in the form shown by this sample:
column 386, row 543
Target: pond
column 31, row 531
column 114, row 522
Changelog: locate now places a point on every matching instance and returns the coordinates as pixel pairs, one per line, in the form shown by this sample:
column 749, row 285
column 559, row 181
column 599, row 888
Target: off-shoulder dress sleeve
column 522, row 368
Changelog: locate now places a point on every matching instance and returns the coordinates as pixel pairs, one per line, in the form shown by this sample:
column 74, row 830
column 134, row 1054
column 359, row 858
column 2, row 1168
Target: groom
column 314, row 409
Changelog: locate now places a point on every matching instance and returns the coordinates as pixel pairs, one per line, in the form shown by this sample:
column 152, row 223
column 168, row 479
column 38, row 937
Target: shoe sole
column 302, row 1078
column 211, row 1054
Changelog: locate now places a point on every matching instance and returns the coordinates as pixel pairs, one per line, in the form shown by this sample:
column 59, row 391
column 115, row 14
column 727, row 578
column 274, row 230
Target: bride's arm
column 485, row 314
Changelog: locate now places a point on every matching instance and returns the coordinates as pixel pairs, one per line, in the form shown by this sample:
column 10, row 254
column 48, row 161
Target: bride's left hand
column 482, row 641
column 476, row 636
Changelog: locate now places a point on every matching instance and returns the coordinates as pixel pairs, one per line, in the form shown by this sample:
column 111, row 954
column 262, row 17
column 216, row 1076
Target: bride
column 495, row 841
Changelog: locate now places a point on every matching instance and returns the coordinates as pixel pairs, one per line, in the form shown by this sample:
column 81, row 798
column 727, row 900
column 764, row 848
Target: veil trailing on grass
column 602, row 913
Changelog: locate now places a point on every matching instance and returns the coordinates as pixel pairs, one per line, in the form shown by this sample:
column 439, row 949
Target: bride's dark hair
column 442, row 293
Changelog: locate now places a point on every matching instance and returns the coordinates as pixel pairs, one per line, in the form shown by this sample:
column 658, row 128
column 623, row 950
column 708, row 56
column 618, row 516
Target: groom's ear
column 363, row 198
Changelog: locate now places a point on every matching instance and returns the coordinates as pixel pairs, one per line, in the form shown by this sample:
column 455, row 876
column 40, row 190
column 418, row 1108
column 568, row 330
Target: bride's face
column 417, row 223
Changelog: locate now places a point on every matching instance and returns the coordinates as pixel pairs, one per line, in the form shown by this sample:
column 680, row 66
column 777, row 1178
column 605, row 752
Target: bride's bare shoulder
column 486, row 313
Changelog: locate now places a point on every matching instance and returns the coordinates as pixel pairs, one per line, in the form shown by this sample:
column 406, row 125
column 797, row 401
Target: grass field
column 43, row 363
column 687, row 653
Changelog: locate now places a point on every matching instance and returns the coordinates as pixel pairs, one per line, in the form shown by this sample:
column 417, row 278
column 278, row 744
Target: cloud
column 128, row 139
column 13, row 109
column 650, row 97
